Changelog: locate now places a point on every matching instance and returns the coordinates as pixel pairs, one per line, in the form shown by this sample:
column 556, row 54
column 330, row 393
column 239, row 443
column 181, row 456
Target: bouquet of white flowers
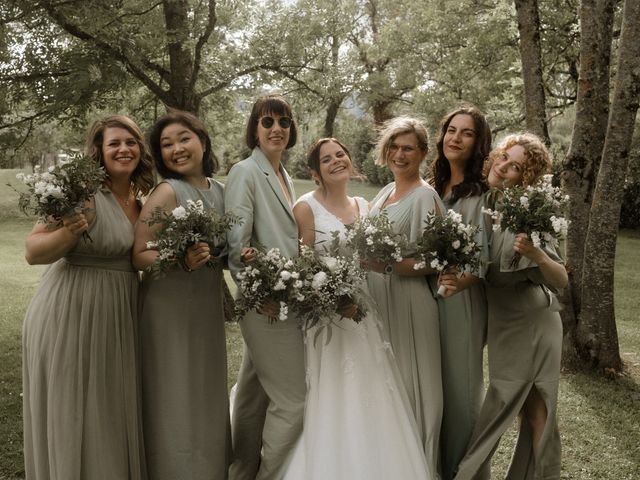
column 322, row 284
column 268, row 277
column 446, row 243
column 183, row 227
column 537, row 210
column 373, row 238
column 61, row 190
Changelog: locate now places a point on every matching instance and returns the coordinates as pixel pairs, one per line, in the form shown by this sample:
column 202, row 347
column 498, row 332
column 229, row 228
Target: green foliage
column 61, row 190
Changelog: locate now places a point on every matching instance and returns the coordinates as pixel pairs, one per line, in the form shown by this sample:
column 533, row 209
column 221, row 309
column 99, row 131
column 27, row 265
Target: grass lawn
column 599, row 418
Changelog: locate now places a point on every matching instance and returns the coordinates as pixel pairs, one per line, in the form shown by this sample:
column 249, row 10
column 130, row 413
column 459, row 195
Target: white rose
column 285, row 275
column 284, row 310
column 319, row 279
column 535, row 238
column 179, row 213
column 331, row 263
column 455, row 244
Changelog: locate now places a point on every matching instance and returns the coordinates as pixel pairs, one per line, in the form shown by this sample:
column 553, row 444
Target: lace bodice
column 326, row 222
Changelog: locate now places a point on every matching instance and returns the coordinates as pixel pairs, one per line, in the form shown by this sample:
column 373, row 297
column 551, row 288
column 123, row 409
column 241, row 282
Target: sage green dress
column 525, row 344
column 81, row 411
column 463, row 328
column 184, row 367
column 409, row 314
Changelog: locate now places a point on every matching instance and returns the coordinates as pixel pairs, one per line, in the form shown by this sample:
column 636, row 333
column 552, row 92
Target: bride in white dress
column 358, row 423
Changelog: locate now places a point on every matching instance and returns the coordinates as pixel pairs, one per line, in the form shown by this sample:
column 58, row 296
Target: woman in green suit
column 269, row 403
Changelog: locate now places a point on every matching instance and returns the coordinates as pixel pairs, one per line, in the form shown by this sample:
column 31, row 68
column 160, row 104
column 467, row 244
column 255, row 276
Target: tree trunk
column 596, row 334
column 531, row 57
column 381, row 112
column 330, row 117
column 181, row 64
column 581, row 164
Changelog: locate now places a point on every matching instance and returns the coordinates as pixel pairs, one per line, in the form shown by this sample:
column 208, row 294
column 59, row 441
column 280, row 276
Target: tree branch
column 202, row 41
column 29, row 118
column 224, row 83
column 133, row 14
column 108, row 48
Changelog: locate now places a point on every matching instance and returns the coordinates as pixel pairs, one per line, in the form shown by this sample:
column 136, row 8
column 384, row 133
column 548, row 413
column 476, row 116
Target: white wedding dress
column 358, row 423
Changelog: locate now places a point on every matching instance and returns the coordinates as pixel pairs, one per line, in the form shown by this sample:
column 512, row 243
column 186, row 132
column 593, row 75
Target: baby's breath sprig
column 183, row 227
column 268, row 277
column 325, row 281
column 447, row 243
column 537, row 210
column 373, row 238
column 60, row 191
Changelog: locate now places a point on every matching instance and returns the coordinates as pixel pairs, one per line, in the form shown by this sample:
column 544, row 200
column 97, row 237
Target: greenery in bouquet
column 537, row 210
column 324, row 282
column 184, row 227
column 373, row 238
column 60, row 191
column 266, row 278
column 446, row 242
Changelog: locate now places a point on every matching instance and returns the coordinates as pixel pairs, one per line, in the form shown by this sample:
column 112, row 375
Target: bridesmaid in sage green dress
column 80, row 385
column 463, row 145
column 185, row 404
column 408, row 310
column 524, row 335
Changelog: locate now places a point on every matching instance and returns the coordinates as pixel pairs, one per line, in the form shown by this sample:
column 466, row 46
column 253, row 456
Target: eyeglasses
column 408, row 149
column 267, row 122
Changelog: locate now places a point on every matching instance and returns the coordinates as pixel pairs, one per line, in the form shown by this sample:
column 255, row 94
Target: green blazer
column 253, row 192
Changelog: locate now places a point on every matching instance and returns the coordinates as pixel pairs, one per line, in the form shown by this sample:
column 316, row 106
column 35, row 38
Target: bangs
column 274, row 106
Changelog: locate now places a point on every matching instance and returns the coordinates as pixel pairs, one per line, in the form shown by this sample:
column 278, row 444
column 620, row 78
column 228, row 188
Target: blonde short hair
column 399, row 126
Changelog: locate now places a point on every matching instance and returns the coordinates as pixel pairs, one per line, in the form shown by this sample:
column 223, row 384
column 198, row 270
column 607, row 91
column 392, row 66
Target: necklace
column 124, row 202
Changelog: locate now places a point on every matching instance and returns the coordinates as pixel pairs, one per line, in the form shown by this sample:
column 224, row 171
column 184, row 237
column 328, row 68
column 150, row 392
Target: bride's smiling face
column 334, row 164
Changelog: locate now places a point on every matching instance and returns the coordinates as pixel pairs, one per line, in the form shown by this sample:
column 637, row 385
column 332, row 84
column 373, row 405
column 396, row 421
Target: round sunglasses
column 267, row 122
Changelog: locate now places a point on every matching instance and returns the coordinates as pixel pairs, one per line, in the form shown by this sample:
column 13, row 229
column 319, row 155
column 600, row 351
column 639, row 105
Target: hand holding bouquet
column 447, row 243
column 266, row 279
column 61, row 191
column 325, row 284
column 537, row 210
column 184, row 227
column 373, row 238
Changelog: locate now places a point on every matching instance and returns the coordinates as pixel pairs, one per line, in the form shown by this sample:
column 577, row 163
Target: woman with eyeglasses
column 524, row 338
column 464, row 141
column 408, row 310
column 269, row 401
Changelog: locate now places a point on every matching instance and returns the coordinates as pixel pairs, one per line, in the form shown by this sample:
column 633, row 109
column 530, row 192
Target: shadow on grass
column 11, row 461
column 603, row 416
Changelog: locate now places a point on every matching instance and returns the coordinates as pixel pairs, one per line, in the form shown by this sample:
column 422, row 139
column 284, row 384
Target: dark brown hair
column 313, row 156
column 191, row 122
column 474, row 182
column 264, row 105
